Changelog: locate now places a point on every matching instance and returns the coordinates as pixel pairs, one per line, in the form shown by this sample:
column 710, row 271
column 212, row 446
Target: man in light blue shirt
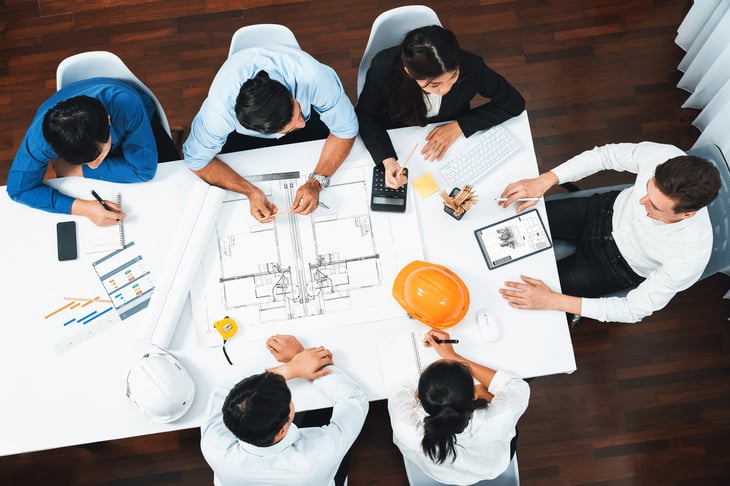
column 248, row 437
column 270, row 92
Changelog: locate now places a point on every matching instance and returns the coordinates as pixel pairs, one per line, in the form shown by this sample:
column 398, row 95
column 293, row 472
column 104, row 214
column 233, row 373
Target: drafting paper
column 334, row 267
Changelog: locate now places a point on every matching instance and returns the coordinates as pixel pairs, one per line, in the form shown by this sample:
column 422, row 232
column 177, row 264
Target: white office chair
column 719, row 211
column 510, row 477
column 261, row 34
column 94, row 64
column 388, row 30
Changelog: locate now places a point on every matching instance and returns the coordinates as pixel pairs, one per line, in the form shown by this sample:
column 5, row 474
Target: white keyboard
column 491, row 149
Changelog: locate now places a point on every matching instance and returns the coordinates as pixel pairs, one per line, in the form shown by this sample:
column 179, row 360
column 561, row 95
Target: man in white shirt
column 248, row 435
column 655, row 234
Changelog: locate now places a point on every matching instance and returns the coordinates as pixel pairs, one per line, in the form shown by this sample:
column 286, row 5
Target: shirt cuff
column 499, row 381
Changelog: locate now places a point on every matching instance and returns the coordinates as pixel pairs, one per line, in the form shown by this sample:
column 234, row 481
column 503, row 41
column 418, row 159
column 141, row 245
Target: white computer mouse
column 489, row 328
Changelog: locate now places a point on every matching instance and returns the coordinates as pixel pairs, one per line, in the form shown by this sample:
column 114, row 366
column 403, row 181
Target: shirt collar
column 292, row 435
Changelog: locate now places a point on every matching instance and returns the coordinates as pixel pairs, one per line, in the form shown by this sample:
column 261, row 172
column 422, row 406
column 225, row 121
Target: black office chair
column 719, row 211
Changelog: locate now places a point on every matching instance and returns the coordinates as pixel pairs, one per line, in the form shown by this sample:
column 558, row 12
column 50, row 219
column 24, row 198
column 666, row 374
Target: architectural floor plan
column 334, row 267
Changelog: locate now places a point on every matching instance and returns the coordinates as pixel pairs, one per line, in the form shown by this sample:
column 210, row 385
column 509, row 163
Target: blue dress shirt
column 314, row 85
column 132, row 158
column 304, row 457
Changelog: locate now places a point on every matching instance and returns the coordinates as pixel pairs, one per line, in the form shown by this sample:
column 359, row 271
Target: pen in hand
column 445, row 341
column 101, row 201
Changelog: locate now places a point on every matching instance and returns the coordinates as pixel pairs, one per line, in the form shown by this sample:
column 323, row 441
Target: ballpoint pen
column 445, row 341
column 101, row 201
column 519, row 199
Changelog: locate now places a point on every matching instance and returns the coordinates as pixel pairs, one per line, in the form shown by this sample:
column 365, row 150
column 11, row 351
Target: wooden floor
column 649, row 404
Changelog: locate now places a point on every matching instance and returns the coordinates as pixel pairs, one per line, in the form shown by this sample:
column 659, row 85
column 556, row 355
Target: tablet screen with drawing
column 513, row 238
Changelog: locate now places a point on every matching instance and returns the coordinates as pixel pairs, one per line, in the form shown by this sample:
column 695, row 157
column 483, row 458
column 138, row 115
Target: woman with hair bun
column 454, row 431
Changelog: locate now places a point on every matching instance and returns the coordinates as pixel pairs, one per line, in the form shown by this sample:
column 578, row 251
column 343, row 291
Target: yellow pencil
column 413, row 150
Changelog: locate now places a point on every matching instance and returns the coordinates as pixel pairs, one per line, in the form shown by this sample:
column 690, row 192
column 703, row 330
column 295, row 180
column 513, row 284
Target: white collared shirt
column 482, row 449
column 304, row 457
column 670, row 256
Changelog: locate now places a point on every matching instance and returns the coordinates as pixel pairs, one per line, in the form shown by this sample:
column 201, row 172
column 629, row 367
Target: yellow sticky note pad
column 425, row 185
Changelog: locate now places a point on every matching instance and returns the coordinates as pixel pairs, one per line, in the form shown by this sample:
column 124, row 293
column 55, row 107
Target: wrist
column 283, row 370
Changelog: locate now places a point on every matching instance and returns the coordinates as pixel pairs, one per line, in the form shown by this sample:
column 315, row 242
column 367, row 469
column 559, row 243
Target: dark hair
column 427, row 53
column 691, row 182
column 257, row 408
column 76, row 128
column 264, row 105
column 446, row 392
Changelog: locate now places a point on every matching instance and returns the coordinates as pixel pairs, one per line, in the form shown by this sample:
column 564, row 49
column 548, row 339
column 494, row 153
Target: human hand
column 64, row 169
column 306, row 199
column 394, row 178
column 532, row 294
column 308, row 364
column 527, row 188
column 445, row 350
column 261, row 208
column 96, row 212
column 440, row 139
column 284, row 347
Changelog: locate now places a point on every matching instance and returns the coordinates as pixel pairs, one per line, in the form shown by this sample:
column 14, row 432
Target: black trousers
column 318, row 418
column 166, row 150
column 315, row 129
column 597, row 267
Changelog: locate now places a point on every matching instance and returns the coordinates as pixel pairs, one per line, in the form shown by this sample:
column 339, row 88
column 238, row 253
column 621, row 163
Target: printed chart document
column 126, row 280
column 509, row 240
column 334, row 267
column 403, row 358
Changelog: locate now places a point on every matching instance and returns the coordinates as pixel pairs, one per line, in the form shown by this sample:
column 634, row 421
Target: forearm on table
column 218, row 173
column 334, row 153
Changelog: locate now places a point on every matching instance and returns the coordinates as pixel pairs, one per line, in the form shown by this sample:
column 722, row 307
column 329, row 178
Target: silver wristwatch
column 324, row 181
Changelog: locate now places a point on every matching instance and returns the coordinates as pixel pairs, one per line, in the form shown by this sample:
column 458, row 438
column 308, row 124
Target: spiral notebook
column 108, row 238
column 403, row 358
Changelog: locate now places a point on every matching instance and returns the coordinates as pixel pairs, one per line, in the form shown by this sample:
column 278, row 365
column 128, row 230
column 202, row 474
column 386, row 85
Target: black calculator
column 384, row 198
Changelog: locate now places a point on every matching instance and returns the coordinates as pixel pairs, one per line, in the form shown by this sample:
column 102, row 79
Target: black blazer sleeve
column 372, row 107
column 476, row 77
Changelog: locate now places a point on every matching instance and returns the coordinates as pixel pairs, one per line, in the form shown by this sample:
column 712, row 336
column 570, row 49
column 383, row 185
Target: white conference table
column 78, row 397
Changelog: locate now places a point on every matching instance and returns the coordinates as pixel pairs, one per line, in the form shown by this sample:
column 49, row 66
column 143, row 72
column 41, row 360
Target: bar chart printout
column 76, row 319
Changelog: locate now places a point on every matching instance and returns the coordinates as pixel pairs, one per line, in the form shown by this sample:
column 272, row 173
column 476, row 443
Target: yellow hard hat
column 431, row 294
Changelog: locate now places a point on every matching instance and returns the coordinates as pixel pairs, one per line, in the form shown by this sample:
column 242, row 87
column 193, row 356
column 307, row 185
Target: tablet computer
column 511, row 239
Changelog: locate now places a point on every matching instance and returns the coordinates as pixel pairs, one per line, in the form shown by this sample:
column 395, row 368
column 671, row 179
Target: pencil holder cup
column 450, row 211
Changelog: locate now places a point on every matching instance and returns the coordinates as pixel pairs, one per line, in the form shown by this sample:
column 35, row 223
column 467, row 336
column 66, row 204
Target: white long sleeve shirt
column 671, row 256
column 482, row 449
column 304, row 457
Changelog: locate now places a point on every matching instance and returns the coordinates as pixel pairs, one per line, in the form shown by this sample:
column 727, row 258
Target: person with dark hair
column 98, row 128
column 655, row 235
column 428, row 79
column 454, row 431
column 250, row 434
column 265, row 96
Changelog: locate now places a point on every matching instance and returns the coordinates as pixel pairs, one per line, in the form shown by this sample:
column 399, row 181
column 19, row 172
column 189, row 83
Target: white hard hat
column 160, row 387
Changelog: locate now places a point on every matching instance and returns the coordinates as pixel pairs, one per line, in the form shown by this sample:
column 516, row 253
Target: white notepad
column 403, row 358
column 107, row 238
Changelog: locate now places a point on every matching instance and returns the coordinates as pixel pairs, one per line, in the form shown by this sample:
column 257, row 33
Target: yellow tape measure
column 226, row 327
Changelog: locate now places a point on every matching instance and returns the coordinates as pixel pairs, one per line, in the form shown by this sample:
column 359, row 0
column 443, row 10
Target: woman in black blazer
column 424, row 80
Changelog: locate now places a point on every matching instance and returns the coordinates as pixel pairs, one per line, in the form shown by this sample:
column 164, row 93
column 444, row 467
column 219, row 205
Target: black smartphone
column 66, row 240
column 384, row 198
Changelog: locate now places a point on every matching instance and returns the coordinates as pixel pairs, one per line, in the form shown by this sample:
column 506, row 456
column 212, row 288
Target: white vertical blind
column 705, row 35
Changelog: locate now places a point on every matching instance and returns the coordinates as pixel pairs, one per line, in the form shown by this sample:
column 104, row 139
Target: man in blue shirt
column 98, row 128
column 271, row 93
column 249, row 436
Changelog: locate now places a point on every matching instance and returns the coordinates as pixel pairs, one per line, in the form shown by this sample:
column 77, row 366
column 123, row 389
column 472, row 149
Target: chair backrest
column 94, row 64
column 261, row 34
column 719, row 211
column 510, row 477
column 388, row 30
